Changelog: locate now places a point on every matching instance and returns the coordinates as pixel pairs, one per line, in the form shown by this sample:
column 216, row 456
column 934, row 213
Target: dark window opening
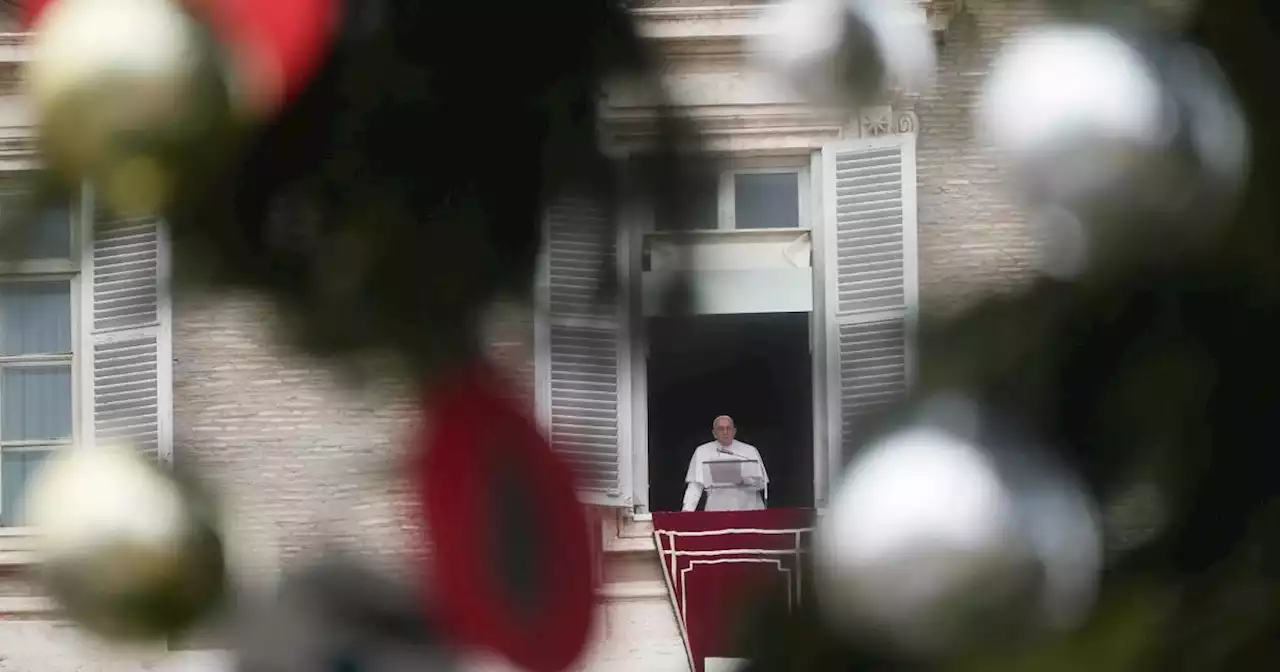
column 755, row 368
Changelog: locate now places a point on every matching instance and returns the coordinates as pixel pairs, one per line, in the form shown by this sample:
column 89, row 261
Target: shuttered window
column 870, row 277
column 129, row 335
column 84, row 342
column 583, row 353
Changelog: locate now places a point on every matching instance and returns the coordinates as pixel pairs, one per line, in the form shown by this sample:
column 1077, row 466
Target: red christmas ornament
column 279, row 44
column 510, row 554
column 31, row 10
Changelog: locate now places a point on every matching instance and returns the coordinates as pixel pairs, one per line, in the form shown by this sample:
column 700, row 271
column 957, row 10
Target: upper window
column 744, row 198
column 37, row 348
column 765, row 200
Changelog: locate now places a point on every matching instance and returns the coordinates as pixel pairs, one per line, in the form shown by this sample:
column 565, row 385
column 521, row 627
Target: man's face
column 724, row 431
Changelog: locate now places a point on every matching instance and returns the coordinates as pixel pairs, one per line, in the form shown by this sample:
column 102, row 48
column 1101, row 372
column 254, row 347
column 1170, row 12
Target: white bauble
column 118, row 87
column 933, row 540
column 127, row 550
column 1215, row 127
column 1071, row 109
column 1139, row 140
column 920, row 519
column 846, row 52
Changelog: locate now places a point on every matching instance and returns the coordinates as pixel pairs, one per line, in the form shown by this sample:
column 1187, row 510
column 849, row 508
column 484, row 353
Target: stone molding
column 701, row 29
column 878, row 120
column 13, row 54
column 738, row 110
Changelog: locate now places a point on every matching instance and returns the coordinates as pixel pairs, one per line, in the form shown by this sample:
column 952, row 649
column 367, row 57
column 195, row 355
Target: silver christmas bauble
column 1122, row 132
column 122, row 91
column 1077, row 93
column 129, row 551
column 847, row 52
column 935, row 540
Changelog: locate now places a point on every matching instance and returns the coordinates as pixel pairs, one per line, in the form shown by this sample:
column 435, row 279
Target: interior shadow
column 755, row 368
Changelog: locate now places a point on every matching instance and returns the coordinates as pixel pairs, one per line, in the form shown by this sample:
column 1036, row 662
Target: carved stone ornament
column 878, row 120
column 906, row 121
column 875, row 121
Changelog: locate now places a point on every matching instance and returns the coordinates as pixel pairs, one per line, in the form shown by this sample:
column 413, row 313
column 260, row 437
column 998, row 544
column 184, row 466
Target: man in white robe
column 747, row 496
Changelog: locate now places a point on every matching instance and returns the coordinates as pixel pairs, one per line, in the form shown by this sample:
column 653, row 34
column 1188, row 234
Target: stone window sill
column 623, row 533
column 27, row 607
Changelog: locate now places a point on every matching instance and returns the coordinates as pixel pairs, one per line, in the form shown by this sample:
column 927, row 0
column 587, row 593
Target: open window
column 805, row 278
column 753, row 367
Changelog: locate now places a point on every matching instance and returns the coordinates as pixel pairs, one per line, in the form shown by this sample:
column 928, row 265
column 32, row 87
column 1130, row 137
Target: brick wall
column 972, row 237
column 304, row 459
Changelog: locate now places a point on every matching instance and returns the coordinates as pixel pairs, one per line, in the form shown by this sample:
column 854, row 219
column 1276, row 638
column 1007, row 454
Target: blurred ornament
column 129, row 551
column 949, row 530
column 277, row 46
column 337, row 615
column 847, row 52
column 1125, row 132
column 1171, row 15
column 125, row 91
column 1064, row 240
column 1074, row 110
column 31, row 11
column 511, row 560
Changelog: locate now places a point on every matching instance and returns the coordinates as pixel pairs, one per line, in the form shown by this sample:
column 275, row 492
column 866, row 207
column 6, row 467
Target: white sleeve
column 763, row 470
column 692, row 495
column 694, row 473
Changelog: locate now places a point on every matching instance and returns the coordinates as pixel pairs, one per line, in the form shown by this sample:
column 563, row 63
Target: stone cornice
column 752, row 129
column 733, row 118
column 780, row 129
column 689, row 29
column 17, row 145
column 14, row 39
column 17, row 140
column 14, row 53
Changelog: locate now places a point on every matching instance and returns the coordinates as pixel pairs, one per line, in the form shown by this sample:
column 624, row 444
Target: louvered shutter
column 870, row 273
column 583, row 353
column 128, row 310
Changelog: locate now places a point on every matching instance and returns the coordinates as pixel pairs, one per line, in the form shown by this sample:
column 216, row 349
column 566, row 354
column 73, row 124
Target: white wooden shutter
column 583, row 353
column 870, row 277
column 126, row 305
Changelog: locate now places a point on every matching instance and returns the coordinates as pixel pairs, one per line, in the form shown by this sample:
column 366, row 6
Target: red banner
column 716, row 563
